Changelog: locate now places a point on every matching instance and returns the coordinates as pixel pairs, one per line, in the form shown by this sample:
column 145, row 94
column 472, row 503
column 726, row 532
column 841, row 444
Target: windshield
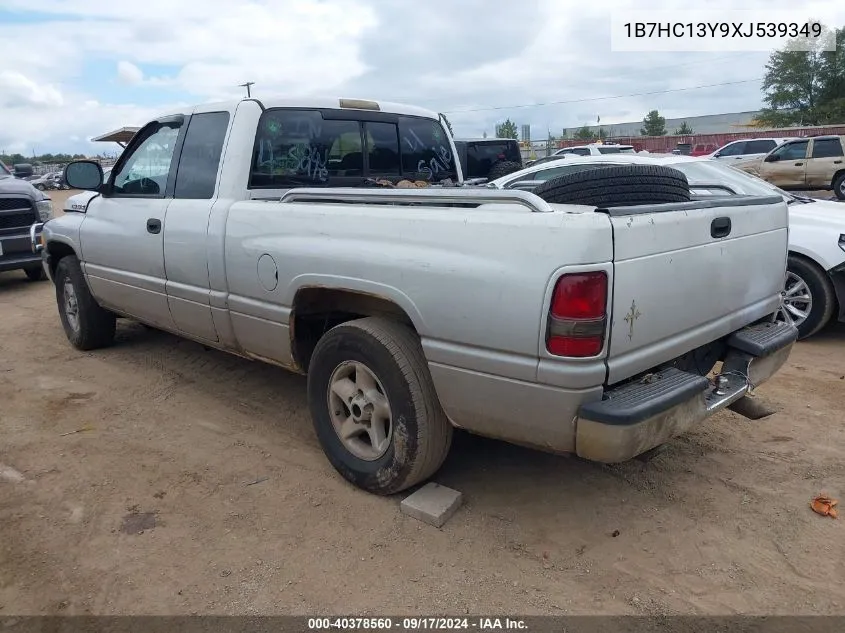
column 713, row 173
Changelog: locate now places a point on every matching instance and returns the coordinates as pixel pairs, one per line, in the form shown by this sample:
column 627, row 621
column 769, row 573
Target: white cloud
column 463, row 58
column 17, row 90
column 128, row 73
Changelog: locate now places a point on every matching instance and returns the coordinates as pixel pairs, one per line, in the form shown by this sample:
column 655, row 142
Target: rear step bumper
column 638, row 416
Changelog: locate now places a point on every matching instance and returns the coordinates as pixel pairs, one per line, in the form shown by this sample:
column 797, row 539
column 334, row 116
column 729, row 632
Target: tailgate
column 678, row 285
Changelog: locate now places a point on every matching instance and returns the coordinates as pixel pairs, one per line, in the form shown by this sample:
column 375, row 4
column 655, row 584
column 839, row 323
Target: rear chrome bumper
column 638, row 416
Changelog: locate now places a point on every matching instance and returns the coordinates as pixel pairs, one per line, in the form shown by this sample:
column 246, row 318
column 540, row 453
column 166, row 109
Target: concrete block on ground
column 433, row 504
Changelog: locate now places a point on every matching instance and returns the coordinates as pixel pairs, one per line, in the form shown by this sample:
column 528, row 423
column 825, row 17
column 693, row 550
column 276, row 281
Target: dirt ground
column 155, row 477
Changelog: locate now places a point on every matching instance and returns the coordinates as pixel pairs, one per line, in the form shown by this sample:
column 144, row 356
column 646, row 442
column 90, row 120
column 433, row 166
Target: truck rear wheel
column 617, row 186
column 87, row 325
column 374, row 407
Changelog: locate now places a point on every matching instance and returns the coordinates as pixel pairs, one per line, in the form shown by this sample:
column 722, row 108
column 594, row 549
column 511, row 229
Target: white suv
column 596, row 149
column 747, row 148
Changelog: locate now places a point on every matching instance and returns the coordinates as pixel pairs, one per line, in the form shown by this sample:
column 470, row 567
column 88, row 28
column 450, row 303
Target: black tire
column 821, row 293
column 95, row 325
column 35, row 274
column 421, row 433
column 839, row 186
column 617, row 186
column 502, row 168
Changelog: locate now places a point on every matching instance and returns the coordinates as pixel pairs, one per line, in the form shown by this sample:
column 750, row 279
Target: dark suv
column 21, row 206
column 488, row 158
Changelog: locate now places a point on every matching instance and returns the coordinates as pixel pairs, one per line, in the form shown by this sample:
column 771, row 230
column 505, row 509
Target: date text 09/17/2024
column 415, row 624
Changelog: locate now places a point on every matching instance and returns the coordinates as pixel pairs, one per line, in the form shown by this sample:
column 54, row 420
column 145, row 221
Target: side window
column 382, row 149
column 734, row 149
column 581, row 151
column 792, row 151
column 146, row 169
column 759, row 147
column 200, row 159
column 298, row 148
column 827, row 148
column 425, row 150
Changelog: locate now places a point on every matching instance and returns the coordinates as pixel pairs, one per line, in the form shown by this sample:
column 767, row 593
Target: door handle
column 798, row 164
column 720, row 227
column 837, row 162
column 154, row 226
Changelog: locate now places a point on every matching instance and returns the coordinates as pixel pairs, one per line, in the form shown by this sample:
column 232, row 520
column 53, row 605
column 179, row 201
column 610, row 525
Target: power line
column 635, row 94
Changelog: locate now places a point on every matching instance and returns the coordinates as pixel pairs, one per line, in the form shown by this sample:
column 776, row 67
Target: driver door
column 122, row 236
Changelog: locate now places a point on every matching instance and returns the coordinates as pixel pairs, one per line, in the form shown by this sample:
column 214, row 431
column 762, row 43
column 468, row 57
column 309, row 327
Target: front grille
column 15, row 204
column 16, row 213
column 16, row 220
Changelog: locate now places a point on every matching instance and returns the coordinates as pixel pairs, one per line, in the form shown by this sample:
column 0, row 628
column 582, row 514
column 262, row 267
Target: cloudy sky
column 73, row 69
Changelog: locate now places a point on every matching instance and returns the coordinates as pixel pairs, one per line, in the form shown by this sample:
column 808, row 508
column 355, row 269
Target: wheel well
column 317, row 310
column 836, row 176
column 57, row 251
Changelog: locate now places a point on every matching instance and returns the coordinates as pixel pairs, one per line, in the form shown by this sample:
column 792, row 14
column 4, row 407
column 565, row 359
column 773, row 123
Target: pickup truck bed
column 412, row 311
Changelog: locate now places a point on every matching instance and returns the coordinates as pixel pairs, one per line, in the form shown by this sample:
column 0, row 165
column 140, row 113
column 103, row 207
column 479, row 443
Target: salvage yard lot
column 250, row 517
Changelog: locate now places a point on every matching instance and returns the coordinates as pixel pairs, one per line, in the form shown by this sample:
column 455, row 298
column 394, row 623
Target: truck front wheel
column 374, row 407
column 87, row 325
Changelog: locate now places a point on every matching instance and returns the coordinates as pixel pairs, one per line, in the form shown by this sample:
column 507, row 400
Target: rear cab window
column 314, row 148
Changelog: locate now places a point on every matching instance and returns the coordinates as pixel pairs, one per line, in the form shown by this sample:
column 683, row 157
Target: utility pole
column 247, row 85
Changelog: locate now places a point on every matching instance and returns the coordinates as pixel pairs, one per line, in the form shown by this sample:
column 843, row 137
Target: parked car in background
column 814, row 290
column 596, row 149
column 747, row 149
column 531, row 318
column 806, row 164
column 46, row 182
column 22, row 206
column 488, row 158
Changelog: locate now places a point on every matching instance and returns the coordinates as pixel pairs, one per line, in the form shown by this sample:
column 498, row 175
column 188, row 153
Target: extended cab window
column 200, row 158
column 146, row 169
column 827, row 148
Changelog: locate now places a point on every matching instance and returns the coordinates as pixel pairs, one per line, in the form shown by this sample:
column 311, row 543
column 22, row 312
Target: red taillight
column 580, row 296
column 577, row 318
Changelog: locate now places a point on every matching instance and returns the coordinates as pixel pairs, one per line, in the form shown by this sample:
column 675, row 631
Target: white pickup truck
column 583, row 318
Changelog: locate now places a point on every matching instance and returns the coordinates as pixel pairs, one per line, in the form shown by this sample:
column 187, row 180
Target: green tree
column 684, row 130
column 507, row 130
column 585, row 134
column 805, row 87
column 448, row 124
column 653, row 124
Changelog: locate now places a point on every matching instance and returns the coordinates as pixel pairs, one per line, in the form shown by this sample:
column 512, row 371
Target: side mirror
column 771, row 158
column 84, row 174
